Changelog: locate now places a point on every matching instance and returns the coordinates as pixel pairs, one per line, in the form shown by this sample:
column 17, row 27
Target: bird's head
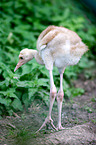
column 24, row 56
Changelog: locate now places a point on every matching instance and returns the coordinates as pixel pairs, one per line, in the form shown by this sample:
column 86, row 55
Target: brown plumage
column 57, row 46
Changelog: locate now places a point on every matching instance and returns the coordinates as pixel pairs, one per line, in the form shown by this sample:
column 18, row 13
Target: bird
column 60, row 47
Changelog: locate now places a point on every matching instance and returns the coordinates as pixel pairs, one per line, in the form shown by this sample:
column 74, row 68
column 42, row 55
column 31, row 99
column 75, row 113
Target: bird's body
column 63, row 46
column 60, row 47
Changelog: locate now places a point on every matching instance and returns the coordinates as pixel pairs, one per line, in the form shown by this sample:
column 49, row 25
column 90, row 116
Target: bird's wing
column 46, row 36
column 51, row 32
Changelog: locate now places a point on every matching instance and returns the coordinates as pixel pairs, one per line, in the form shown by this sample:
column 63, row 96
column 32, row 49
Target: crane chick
column 60, row 47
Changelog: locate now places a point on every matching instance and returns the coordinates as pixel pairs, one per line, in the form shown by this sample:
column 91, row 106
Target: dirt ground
column 78, row 118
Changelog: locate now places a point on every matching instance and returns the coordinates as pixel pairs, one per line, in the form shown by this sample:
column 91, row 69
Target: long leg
column 60, row 100
column 53, row 92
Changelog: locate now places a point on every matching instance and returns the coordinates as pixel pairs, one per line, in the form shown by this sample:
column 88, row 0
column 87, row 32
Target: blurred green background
column 21, row 22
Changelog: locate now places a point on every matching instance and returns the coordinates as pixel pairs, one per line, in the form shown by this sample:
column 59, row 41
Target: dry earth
column 78, row 118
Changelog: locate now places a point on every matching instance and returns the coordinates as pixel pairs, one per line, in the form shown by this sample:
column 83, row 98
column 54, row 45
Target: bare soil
column 78, row 118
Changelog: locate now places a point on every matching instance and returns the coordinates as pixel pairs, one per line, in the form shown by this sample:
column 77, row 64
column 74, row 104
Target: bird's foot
column 60, row 127
column 47, row 120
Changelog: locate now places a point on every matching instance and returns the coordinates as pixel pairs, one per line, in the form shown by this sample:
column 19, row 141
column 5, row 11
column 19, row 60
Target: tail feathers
column 79, row 49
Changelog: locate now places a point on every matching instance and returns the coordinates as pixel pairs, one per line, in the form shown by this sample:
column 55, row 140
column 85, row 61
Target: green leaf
column 5, row 101
column 26, row 100
column 9, row 93
column 25, row 84
column 77, row 91
column 26, row 69
column 85, row 63
column 16, row 104
column 31, row 92
column 43, row 82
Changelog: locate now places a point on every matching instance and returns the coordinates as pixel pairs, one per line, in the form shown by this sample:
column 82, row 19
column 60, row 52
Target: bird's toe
column 60, row 127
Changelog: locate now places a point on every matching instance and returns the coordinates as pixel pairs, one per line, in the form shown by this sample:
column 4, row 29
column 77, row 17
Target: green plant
column 89, row 109
column 21, row 22
column 94, row 121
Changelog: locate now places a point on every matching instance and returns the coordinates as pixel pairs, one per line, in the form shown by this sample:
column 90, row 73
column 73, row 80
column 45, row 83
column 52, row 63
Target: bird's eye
column 21, row 57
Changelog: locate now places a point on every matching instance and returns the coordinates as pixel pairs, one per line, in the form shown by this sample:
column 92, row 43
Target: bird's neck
column 36, row 55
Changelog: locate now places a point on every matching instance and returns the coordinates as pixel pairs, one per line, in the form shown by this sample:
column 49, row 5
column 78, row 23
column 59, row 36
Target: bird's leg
column 59, row 101
column 53, row 92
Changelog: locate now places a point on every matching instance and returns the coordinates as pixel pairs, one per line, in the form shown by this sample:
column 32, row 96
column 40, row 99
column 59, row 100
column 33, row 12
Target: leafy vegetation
column 21, row 22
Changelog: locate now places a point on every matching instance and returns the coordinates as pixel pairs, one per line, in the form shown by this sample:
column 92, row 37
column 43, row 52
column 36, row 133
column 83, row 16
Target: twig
column 11, row 125
column 16, row 115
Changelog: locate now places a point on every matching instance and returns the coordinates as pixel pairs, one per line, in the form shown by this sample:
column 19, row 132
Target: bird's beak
column 20, row 63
